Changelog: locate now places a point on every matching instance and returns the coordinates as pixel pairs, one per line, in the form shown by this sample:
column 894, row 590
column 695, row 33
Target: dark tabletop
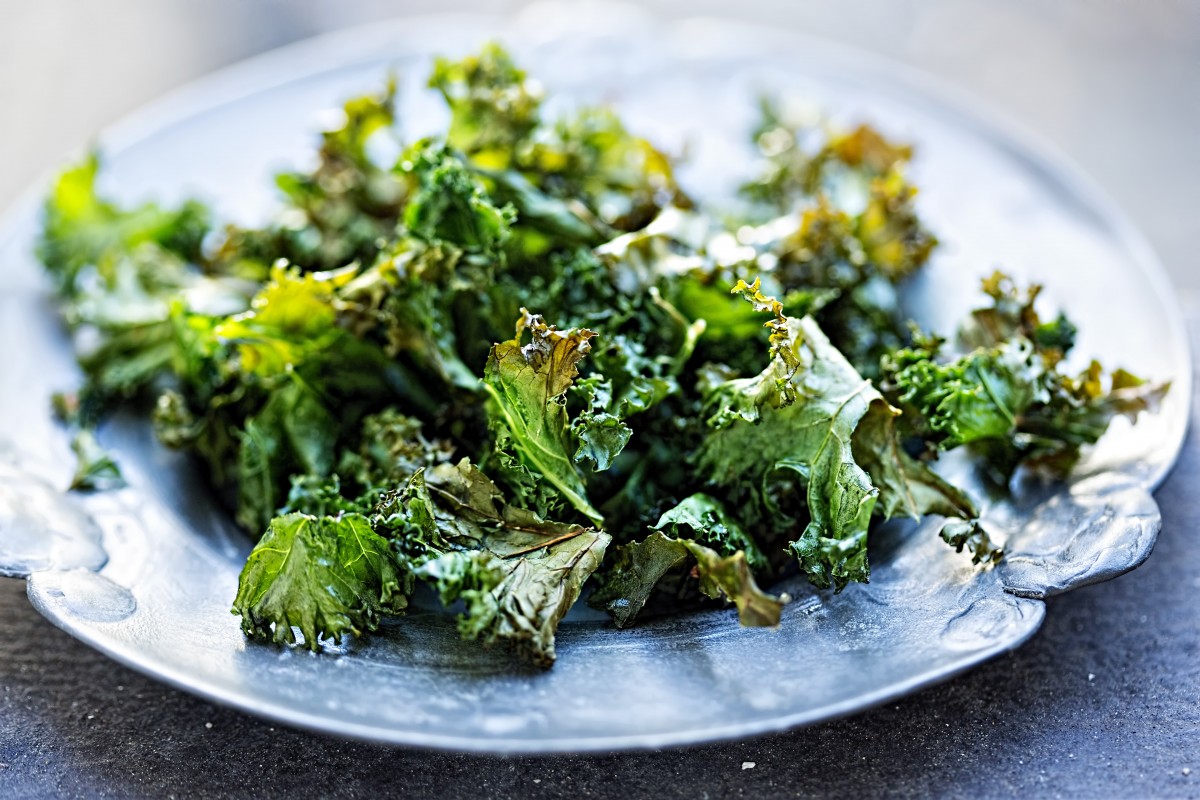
column 1104, row 701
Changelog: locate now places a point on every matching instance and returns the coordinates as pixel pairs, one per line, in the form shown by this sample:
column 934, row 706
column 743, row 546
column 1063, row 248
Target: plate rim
column 526, row 746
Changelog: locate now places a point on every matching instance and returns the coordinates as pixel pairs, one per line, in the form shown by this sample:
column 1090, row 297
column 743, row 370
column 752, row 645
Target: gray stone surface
column 1104, row 701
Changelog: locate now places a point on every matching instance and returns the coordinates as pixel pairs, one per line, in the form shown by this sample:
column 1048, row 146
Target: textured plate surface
column 146, row 574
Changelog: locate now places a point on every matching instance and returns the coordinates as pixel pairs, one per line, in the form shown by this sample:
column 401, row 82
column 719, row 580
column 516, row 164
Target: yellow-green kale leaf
column 323, row 576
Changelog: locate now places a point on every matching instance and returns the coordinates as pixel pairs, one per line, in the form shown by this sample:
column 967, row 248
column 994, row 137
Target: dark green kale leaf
column 1008, row 398
column 293, row 433
column 298, row 364
column 473, row 578
column 392, row 448
column 546, row 222
column 636, row 368
column 419, row 299
column 974, row 398
column 810, row 425
column 602, row 435
column 908, row 487
column 704, row 520
column 641, row 567
column 699, row 550
column 404, row 305
column 517, row 595
column 448, row 203
column 322, row 576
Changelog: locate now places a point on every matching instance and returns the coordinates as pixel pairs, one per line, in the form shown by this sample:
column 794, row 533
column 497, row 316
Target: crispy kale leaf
column 294, row 433
column 1008, row 397
column 849, row 226
column 493, row 108
column 420, row 296
column 517, row 573
column 622, row 179
column 781, row 443
column 641, row 567
column 336, row 213
column 795, row 171
column 526, row 384
column 517, row 597
column 602, row 435
column 704, row 520
column 300, row 365
column 83, row 233
column 322, row 576
column 696, row 541
column 96, row 469
column 120, row 271
column 908, row 487
column 579, row 178
column 786, row 445
column 448, row 204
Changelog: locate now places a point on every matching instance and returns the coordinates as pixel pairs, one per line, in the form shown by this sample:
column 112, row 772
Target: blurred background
column 1113, row 83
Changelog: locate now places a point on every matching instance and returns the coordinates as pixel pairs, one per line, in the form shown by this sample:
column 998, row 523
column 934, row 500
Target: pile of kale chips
column 520, row 358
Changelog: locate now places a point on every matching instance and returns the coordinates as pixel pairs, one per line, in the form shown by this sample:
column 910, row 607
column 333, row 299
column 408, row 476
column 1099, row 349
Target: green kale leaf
column 493, row 108
column 640, row 568
column 83, row 231
column 1009, row 398
column 526, row 384
column 792, row 426
column 336, row 213
column 95, row 469
column 705, row 520
column 517, row 573
column 449, row 204
column 602, row 435
column 324, row 577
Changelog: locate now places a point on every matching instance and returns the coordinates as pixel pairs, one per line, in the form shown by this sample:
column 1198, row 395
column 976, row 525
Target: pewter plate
column 146, row 574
